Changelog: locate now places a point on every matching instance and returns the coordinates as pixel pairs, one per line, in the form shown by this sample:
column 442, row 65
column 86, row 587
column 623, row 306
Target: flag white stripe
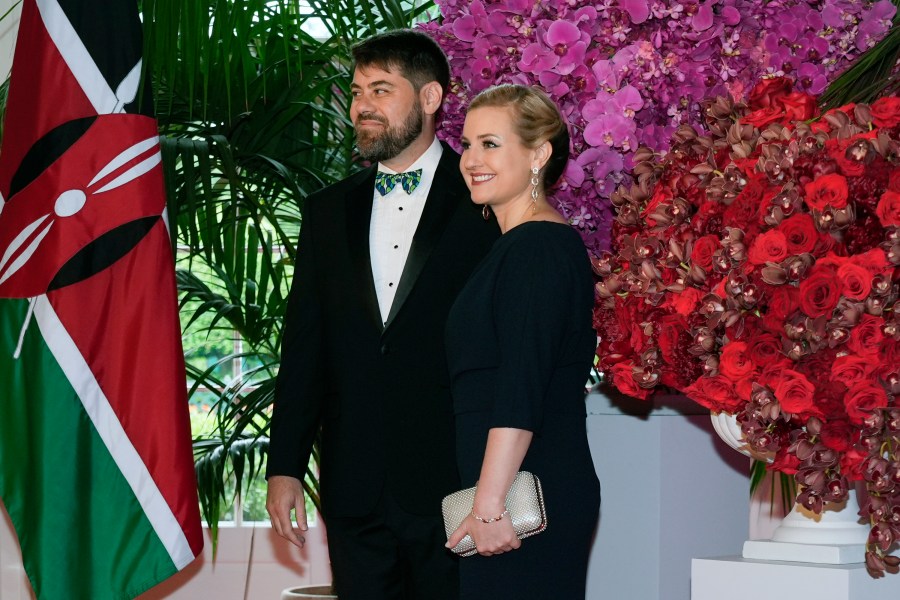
column 125, row 156
column 83, row 68
column 19, row 240
column 111, row 432
column 26, row 254
column 133, row 173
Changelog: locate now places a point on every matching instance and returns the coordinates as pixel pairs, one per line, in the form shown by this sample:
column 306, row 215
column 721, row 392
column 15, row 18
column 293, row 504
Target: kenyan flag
column 95, row 457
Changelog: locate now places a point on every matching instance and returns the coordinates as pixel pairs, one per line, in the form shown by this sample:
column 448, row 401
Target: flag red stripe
column 131, row 339
column 44, row 94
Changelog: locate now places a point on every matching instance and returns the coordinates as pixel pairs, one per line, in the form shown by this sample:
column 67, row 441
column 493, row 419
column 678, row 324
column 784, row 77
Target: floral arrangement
column 758, row 271
column 628, row 73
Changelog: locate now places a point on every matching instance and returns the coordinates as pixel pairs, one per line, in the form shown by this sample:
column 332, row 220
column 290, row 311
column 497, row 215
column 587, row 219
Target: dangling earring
column 534, row 189
column 486, row 212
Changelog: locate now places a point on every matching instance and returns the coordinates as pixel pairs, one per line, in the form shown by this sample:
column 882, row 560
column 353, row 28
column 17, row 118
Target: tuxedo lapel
column 442, row 199
column 359, row 214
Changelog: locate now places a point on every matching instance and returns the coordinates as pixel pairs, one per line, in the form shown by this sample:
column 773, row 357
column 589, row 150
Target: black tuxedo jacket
column 379, row 393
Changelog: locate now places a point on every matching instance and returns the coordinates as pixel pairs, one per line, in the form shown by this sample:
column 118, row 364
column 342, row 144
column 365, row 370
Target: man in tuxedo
column 381, row 258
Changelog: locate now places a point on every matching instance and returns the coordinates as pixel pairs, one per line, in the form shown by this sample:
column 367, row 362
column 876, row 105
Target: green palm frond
column 872, row 75
column 253, row 112
column 786, row 485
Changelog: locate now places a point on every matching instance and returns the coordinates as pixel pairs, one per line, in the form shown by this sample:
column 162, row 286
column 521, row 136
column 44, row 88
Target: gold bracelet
column 492, row 519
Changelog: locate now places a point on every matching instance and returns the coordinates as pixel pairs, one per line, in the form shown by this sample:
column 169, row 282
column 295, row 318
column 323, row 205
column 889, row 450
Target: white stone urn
column 836, row 536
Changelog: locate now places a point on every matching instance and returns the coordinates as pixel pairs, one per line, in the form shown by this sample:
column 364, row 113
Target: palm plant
column 872, row 75
column 252, row 110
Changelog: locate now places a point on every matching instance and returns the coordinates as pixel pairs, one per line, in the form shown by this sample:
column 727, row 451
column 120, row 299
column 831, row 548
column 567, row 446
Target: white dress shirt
column 395, row 217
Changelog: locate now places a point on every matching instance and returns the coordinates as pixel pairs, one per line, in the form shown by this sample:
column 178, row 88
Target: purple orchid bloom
column 565, row 40
column 638, row 10
column 611, row 130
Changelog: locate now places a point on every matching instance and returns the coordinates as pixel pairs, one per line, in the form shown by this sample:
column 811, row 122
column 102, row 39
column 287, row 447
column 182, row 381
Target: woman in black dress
column 520, row 346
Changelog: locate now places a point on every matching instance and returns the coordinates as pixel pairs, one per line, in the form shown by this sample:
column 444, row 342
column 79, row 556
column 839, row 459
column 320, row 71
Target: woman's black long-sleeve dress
column 520, row 346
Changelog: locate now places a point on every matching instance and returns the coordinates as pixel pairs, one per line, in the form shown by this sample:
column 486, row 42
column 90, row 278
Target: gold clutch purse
column 524, row 501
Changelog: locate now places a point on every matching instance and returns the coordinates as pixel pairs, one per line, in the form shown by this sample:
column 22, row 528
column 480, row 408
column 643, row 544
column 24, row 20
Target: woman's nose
column 470, row 158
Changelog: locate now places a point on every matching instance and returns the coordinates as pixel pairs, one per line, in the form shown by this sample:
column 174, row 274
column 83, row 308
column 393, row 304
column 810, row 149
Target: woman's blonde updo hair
column 537, row 119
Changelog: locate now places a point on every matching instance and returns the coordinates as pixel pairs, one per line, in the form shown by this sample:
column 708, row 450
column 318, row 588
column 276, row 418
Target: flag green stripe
column 59, row 482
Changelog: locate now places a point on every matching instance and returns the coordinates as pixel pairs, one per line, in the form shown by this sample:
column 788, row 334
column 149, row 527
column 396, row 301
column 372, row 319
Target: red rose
column 764, row 349
column 824, row 244
column 856, row 281
column 827, row 190
column 863, row 399
column 625, row 383
column 837, row 150
column 894, row 180
column 888, row 209
column 874, row 260
column 832, row 261
column 890, row 352
column 744, row 387
column 686, row 302
column 671, row 327
column 798, row 106
column 837, row 435
column 715, row 393
column 756, row 186
column 764, row 116
column 888, row 370
column 794, row 392
column 770, row 246
column 886, row 111
column 734, row 362
column 768, row 91
column 800, row 233
column 851, row 369
column 702, row 252
column 661, row 194
column 816, row 367
column 784, row 462
column 866, row 336
column 851, row 464
column 784, row 301
column 819, row 292
column 629, row 316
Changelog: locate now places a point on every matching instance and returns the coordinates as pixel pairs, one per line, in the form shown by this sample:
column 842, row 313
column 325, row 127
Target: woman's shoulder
column 546, row 236
column 555, row 250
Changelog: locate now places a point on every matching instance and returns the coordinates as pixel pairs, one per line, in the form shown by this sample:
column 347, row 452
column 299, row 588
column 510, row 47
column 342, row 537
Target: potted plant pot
column 309, row 592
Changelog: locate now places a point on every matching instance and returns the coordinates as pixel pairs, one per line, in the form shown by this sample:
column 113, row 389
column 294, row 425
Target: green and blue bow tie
column 409, row 181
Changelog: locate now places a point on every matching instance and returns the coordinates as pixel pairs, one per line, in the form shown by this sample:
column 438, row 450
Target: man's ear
column 431, row 97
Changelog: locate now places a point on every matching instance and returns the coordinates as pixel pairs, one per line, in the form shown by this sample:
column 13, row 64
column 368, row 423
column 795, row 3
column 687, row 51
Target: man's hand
column 285, row 493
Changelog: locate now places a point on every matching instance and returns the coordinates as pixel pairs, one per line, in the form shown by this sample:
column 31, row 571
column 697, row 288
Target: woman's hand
column 490, row 538
column 493, row 532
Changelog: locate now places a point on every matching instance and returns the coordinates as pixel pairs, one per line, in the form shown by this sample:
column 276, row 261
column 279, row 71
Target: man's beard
column 391, row 141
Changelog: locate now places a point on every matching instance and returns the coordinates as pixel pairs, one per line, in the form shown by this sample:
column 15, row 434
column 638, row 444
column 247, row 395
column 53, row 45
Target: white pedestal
column 737, row 578
column 672, row 490
column 830, row 554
